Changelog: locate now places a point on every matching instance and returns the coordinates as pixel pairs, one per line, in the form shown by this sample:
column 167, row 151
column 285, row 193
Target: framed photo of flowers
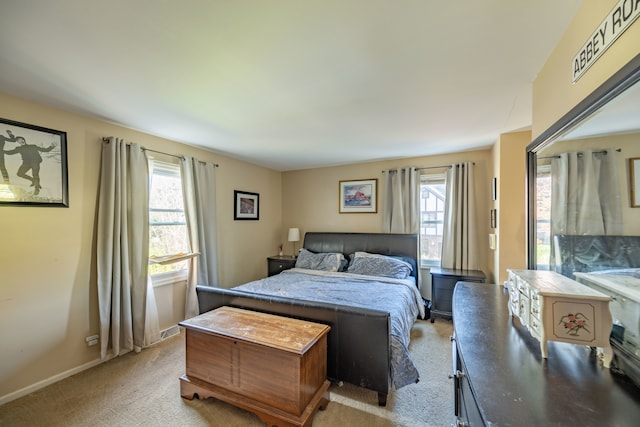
column 33, row 165
column 359, row 196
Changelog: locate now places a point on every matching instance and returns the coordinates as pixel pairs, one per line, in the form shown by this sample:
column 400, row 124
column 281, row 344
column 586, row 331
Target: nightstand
column 279, row 263
column 443, row 280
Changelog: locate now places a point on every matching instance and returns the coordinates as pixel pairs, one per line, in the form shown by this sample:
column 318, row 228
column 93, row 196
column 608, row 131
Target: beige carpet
column 144, row 390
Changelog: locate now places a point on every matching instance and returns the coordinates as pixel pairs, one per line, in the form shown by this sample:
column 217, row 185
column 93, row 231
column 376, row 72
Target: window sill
column 169, row 278
column 429, row 265
column 170, row 259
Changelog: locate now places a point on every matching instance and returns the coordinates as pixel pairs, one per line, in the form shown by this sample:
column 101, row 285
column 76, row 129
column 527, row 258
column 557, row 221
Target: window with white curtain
column 432, row 205
column 543, row 216
column 168, row 238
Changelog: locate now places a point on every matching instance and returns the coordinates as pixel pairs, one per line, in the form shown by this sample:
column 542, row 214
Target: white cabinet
column 555, row 308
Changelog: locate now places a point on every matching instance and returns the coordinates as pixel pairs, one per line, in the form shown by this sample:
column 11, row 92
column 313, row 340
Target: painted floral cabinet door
column 575, row 321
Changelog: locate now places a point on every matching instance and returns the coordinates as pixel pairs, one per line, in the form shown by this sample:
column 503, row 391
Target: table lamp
column 294, row 236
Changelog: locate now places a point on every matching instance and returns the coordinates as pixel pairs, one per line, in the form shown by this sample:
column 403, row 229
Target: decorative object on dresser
column 270, row 365
column 555, row 308
column 443, row 280
column 492, row 356
column 277, row 264
column 294, row 236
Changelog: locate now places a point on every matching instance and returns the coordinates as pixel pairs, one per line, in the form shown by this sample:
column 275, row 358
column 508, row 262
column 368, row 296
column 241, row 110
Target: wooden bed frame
column 358, row 345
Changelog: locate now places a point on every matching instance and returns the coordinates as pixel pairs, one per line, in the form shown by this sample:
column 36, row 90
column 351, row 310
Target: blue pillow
column 379, row 265
column 321, row 261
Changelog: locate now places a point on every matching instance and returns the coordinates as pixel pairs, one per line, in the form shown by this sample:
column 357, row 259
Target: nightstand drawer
column 443, row 281
column 277, row 264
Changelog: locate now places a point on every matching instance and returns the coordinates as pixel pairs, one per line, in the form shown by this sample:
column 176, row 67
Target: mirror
column 582, row 222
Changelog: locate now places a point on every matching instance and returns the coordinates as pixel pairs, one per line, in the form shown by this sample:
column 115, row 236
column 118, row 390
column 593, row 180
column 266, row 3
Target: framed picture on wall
column 494, row 189
column 358, row 196
column 246, row 205
column 33, row 165
column 634, row 174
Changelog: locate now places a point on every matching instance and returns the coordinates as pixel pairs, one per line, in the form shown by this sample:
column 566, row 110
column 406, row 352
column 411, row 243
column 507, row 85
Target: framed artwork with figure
column 33, row 165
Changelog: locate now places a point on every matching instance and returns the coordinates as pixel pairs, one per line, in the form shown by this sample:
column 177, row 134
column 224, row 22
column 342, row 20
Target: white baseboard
column 41, row 384
column 164, row 334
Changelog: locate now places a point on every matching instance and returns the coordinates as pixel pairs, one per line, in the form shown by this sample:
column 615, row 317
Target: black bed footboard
column 358, row 345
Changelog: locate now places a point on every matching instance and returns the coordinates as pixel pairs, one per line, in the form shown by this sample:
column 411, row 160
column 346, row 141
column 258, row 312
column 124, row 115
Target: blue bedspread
column 399, row 297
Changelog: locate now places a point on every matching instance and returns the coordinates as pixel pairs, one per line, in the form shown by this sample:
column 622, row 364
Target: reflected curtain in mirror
column 585, row 194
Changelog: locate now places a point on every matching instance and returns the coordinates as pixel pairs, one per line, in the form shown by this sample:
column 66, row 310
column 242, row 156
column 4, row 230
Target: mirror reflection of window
column 543, row 216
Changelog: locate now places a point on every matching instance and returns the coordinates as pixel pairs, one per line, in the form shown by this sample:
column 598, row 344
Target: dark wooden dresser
column 500, row 378
column 443, row 280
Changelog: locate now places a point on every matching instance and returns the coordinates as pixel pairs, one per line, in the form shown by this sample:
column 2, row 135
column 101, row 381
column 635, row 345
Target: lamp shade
column 294, row 234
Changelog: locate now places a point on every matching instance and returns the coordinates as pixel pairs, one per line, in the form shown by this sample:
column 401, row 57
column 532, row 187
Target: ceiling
column 288, row 84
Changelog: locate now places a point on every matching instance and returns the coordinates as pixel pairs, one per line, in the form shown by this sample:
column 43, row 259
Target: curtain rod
column 162, row 152
column 579, row 154
column 429, row 167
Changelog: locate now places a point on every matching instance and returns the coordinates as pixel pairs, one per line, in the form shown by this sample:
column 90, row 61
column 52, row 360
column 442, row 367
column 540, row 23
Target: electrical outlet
column 492, row 242
column 92, row 340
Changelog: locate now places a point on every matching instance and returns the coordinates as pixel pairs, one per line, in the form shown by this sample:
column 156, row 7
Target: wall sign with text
column 623, row 14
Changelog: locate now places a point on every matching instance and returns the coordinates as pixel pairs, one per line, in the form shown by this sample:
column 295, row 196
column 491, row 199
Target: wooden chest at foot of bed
column 271, row 365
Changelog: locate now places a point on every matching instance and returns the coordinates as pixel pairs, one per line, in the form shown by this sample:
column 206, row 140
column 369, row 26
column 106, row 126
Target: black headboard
column 405, row 245
column 594, row 253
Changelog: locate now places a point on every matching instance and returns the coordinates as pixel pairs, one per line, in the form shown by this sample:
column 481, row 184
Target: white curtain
column 401, row 207
column 199, row 188
column 585, row 195
column 128, row 312
column 459, row 237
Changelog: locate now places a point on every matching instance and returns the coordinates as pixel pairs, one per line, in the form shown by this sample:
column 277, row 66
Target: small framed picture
column 494, row 188
column 360, row 196
column 246, row 205
column 494, row 218
column 634, row 175
column 33, row 165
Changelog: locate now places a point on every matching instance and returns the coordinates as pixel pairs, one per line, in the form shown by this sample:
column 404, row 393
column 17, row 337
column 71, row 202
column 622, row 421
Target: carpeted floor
column 144, row 390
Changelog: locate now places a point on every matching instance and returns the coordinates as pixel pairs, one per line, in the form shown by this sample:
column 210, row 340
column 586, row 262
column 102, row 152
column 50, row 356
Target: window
column 432, row 205
column 543, row 217
column 168, row 235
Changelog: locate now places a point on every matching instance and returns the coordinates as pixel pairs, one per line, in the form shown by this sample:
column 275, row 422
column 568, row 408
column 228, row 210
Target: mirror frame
column 623, row 79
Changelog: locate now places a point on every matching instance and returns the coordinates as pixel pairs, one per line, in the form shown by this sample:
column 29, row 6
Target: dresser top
column 284, row 333
column 626, row 286
column 514, row 386
column 550, row 283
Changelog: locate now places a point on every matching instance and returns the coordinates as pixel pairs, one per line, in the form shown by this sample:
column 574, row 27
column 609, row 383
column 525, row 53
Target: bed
column 611, row 265
column 364, row 286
